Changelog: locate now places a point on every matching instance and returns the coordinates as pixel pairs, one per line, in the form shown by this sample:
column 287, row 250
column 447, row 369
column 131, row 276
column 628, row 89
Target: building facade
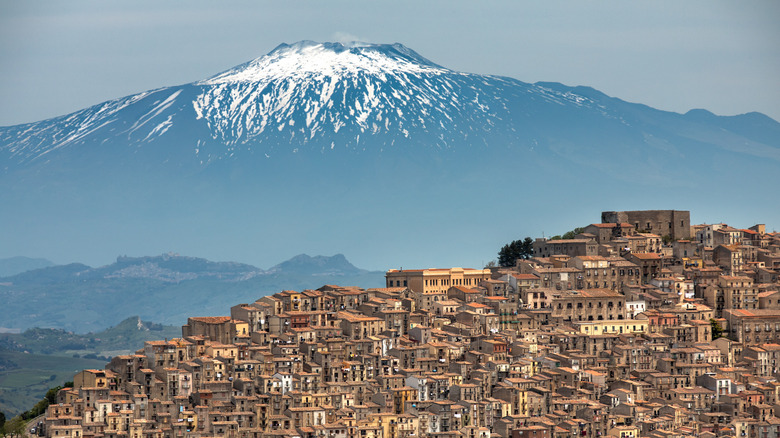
column 435, row 280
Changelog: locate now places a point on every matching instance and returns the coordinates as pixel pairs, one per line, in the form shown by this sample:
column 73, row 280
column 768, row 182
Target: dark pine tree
column 517, row 249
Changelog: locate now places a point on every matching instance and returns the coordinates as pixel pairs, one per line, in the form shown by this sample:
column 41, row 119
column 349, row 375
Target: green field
column 27, row 377
column 41, row 358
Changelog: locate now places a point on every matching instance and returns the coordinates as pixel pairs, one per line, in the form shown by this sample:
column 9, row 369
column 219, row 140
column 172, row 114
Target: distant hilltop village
column 642, row 325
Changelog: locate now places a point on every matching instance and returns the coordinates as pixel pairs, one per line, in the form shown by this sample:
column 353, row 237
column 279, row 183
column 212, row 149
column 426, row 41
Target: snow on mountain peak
column 327, row 59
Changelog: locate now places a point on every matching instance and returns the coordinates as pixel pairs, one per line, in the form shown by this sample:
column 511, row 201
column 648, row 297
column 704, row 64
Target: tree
column 507, row 254
column 517, row 249
column 717, row 330
column 51, row 395
column 15, row 426
column 573, row 233
column 528, row 248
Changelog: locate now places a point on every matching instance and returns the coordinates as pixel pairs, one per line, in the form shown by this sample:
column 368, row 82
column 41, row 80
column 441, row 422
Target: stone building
column 673, row 223
column 588, row 305
column 571, row 247
column 606, row 232
column 650, row 264
column 223, row 329
column 753, row 327
column 605, row 273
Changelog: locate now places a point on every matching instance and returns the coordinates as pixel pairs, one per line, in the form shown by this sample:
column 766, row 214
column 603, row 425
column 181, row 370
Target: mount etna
column 366, row 149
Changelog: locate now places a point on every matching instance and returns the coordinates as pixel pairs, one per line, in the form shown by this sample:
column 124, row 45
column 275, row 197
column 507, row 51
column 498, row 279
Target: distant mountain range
column 17, row 265
column 370, row 150
column 166, row 289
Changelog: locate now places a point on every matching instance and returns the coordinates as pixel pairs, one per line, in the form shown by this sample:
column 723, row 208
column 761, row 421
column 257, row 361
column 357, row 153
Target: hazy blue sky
column 59, row 57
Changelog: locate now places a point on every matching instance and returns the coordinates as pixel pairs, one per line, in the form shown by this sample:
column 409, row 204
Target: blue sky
column 58, row 57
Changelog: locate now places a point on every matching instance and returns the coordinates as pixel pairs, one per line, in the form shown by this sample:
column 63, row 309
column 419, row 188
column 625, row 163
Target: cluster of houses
column 643, row 325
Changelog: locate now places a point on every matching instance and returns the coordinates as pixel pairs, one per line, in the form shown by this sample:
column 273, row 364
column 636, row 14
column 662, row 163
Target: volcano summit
column 322, row 96
column 366, row 149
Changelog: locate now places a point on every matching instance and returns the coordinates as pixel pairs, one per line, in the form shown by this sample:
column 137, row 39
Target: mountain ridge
column 317, row 265
column 167, row 288
column 18, row 264
column 200, row 267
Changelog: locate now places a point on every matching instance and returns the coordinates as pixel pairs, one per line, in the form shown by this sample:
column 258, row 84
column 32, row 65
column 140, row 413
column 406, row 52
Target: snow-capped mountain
column 310, row 96
column 362, row 127
column 306, row 95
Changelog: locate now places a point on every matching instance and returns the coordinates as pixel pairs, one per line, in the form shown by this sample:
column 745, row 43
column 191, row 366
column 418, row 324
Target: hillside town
column 641, row 325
